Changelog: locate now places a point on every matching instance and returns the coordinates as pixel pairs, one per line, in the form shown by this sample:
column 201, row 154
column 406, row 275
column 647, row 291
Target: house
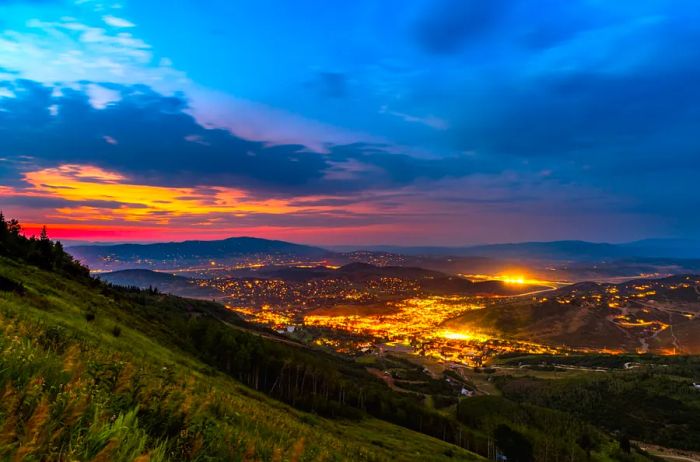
column 466, row 393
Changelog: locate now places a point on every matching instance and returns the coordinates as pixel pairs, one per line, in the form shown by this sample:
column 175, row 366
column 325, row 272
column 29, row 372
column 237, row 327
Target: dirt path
column 389, row 380
column 668, row 453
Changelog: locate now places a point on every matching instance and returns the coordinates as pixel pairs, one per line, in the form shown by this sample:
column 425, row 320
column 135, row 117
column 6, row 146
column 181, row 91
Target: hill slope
column 164, row 282
column 643, row 315
column 92, row 373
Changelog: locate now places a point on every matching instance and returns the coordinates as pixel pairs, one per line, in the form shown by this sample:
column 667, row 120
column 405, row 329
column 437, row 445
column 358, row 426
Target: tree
column 586, row 443
column 46, row 256
column 41, row 252
column 625, row 444
column 13, row 227
column 514, row 445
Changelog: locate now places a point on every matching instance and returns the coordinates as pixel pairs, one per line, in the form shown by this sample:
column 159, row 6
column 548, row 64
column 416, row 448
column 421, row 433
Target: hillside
column 379, row 282
column 91, row 372
column 164, row 282
column 643, row 315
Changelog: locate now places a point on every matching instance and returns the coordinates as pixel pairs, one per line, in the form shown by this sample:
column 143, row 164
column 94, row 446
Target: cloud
column 529, row 109
column 87, row 45
column 151, row 136
column 253, row 120
column 430, row 120
column 69, row 50
column 448, row 24
column 117, row 22
column 332, row 84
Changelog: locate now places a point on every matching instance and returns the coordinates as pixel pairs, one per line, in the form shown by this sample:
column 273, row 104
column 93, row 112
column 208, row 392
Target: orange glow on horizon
column 112, row 233
column 102, row 205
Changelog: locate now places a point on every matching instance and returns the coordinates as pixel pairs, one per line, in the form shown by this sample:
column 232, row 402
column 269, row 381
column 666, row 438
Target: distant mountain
column 668, row 248
column 174, row 254
column 558, row 250
column 571, row 250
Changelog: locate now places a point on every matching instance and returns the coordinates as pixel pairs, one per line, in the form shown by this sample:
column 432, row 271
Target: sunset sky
column 437, row 122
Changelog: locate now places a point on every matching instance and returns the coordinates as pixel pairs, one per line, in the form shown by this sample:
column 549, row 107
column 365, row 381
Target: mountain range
column 171, row 254
column 555, row 250
column 189, row 252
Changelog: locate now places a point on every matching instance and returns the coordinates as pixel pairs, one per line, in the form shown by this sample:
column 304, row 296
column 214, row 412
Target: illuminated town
column 377, row 304
column 394, row 314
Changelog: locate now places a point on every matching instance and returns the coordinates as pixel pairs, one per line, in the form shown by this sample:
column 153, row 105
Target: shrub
column 8, row 285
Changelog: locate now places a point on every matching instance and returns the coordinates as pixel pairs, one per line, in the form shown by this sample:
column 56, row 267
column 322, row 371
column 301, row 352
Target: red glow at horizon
column 106, row 233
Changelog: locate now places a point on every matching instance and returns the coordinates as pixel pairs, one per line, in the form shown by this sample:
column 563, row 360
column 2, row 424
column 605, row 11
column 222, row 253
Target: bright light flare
column 514, row 279
column 462, row 336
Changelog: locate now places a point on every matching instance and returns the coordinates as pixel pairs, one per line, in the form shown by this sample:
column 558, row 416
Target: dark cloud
column 448, row 24
column 56, row 202
column 332, row 84
column 152, row 138
column 586, row 115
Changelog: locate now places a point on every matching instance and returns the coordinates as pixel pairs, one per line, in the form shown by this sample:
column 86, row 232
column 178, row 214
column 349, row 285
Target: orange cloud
column 126, row 201
column 81, row 183
column 139, row 202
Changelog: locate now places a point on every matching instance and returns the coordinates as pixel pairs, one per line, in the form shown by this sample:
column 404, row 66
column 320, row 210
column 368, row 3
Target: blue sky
column 408, row 122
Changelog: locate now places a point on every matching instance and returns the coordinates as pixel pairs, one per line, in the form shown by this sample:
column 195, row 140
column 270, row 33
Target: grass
column 72, row 389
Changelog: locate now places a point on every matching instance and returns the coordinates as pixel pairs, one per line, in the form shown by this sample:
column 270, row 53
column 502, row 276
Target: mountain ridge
column 559, row 249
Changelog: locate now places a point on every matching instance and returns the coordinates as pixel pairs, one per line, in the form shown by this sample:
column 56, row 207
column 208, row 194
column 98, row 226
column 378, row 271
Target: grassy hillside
column 85, row 375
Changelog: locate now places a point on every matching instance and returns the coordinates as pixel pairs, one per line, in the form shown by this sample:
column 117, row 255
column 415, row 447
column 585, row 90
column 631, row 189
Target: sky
column 408, row 122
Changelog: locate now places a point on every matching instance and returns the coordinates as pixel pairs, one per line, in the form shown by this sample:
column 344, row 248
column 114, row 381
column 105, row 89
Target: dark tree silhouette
column 514, row 445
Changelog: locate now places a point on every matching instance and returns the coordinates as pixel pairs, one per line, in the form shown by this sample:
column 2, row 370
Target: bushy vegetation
column 524, row 432
column 650, row 404
column 687, row 366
